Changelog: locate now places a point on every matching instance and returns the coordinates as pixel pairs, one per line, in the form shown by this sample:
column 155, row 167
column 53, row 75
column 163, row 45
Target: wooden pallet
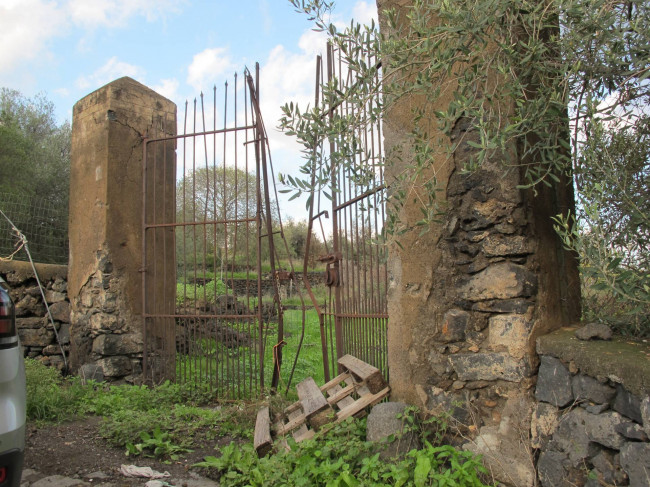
column 349, row 394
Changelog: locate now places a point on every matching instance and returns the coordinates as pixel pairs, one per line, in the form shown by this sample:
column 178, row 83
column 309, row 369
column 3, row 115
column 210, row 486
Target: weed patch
column 341, row 457
column 51, row 397
column 163, row 421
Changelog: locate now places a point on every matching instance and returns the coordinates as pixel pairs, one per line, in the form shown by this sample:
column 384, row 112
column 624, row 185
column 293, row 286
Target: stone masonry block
column 511, row 331
column 635, row 460
column 627, row 404
column 544, row 422
column 503, row 280
column 587, row 388
column 117, row 366
column 117, row 344
column 103, row 322
column 454, row 326
column 501, row 245
column 488, row 366
column 553, row 382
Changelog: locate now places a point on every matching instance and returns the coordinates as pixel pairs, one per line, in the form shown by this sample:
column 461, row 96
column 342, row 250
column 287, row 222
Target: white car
column 12, row 395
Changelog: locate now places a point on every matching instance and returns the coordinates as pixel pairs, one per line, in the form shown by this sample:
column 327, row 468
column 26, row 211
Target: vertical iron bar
column 335, row 222
column 145, row 320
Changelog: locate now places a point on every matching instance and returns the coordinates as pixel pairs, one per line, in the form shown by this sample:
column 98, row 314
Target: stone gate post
column 106, row 198
column 468, row 299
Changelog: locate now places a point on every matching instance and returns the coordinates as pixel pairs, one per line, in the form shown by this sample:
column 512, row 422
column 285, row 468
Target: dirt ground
column 76, row 449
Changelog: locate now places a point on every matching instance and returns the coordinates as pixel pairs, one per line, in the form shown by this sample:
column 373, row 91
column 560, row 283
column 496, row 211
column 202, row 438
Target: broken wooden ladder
column 349, row 394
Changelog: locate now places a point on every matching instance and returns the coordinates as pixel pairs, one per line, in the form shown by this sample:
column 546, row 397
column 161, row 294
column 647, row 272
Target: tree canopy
column 34, row 148
column 34, row 173
column 562, row 84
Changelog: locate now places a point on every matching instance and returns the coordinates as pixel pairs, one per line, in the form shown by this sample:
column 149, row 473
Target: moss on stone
column 621, row 360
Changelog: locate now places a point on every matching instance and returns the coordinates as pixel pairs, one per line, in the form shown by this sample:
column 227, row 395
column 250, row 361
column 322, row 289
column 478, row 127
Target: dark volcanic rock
column 553, row 382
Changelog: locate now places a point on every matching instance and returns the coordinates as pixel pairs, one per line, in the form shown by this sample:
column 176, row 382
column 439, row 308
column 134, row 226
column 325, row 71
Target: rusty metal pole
column 338, row 326
column 261, row 143
column 310, row 226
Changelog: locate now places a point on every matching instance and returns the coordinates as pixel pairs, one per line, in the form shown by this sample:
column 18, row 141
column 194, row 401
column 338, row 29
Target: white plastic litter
column 157, row 483
column 144, row 472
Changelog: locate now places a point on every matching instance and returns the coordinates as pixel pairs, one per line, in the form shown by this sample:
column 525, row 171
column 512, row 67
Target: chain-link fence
column 43, row 222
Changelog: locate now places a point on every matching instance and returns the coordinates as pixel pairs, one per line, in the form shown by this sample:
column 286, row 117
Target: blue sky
column 69, row 48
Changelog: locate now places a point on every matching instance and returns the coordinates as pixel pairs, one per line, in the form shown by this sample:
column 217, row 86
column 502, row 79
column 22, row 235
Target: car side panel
column 12, row 392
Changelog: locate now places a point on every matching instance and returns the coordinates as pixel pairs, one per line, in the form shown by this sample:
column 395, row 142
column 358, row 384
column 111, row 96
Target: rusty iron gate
column 355, row 318
column 206, row 231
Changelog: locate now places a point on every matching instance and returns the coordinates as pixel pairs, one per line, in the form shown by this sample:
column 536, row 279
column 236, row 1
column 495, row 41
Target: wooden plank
column 335, row 381
column 262, row 440
column 282, row 429
column 340, row 396
column 360, row 404
column 362, row 390
column 301, row 432
column 295, row 423
column 301, row 435
column 363, row 372
column 311, row 397
column 296, row 406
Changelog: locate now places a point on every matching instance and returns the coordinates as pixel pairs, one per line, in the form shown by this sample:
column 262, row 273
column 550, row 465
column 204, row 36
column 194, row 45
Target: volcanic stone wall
column 37, row 336
column 591, row 423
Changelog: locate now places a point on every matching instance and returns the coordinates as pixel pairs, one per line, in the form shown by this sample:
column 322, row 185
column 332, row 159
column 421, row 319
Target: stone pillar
column 106, row 185
column 468, row 299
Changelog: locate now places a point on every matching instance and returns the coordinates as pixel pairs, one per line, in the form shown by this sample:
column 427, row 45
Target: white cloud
column 365, row 12
column 209, row 66
column 290, row 76
column 167, row 88
column 116, row 13
column 25, row 28
column 312, row 43
column 111, row 70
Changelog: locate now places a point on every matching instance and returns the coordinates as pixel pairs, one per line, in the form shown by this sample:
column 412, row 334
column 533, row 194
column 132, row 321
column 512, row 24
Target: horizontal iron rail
column 362, row 196
column 190, row 317
column 200, row 223
column 199, row 134
column 359, row 315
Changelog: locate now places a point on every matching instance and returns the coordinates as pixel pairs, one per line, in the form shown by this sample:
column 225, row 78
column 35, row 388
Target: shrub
column 209, row 292
column 51, row 397
column 341, row 457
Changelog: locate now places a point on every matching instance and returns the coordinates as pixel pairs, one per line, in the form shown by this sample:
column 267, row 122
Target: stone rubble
column 588, row 429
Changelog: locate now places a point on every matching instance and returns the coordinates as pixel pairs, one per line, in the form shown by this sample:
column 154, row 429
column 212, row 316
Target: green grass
column 190, row 292
column 310, row 358
column 50, row 397
column 159, row 421
column 229, row 370
column 169, row 420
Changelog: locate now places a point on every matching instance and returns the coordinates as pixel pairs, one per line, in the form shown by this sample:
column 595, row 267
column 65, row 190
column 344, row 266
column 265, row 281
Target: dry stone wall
column 591, row 423
column 37, row 335
column 288, row 287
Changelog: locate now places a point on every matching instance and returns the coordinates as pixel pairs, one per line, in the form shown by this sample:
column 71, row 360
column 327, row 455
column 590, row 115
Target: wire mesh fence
column 43, row 222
